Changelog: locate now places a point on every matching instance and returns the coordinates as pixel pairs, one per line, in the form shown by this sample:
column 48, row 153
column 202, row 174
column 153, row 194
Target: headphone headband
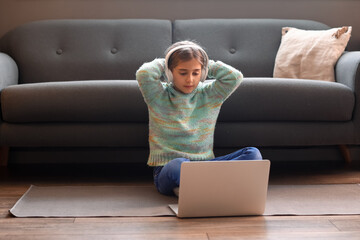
column 204, row 73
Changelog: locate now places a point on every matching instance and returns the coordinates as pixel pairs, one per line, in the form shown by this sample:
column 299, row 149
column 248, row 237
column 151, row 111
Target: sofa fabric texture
column 71, row 83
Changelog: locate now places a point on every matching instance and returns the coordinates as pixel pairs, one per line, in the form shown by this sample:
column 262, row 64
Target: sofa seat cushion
column 78, row 101
column 271, row 99
column 257, row 99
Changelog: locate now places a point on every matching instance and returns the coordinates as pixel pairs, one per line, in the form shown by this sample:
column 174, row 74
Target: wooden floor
column 15, row 180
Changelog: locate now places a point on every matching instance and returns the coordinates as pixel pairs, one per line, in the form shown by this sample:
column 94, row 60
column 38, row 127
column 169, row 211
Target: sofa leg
column 4, row 156
column 345, row 152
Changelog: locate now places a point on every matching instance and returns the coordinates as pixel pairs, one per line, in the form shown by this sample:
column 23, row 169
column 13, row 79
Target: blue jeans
column 167, row 178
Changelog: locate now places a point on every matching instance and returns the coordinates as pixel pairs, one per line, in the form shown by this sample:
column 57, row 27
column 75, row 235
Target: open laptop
column 222, row 188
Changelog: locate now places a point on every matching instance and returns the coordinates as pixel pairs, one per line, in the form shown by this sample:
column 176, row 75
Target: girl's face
column 187, row 75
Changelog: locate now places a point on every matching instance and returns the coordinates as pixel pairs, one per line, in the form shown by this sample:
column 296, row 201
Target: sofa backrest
column 72, row 50
column 247, row 44
column 68, row 50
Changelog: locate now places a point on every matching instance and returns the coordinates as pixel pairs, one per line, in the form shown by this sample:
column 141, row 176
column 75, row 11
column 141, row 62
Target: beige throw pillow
column 310, row 54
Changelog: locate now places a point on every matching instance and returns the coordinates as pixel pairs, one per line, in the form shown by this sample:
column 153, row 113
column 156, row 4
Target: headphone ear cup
column 205, row 69
column 169, row 75
column 204, row 73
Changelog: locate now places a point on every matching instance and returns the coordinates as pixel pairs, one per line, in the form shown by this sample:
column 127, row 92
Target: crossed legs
column 167, row 178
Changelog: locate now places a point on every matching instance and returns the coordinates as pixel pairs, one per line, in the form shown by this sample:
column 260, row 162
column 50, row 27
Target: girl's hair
column 184, row 54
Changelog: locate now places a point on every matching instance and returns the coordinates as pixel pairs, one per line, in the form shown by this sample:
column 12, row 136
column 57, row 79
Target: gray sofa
column 68, row 91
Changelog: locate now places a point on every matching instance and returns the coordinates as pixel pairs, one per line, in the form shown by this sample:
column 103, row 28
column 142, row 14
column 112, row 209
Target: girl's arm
column 148, row 77
column 227, row 78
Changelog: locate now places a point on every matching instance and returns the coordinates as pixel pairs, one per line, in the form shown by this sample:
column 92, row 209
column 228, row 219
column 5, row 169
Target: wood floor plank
column 4, row 213
column 8, row 202
column 34, row 221
column 219, row 225
column 286, row 236
column 201, row 236
column 13, row 191
column 222, row 228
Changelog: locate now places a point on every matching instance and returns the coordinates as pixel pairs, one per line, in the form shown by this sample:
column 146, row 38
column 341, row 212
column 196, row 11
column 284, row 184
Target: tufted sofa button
column 114, row 50
column 59, row 51
column 232, row 50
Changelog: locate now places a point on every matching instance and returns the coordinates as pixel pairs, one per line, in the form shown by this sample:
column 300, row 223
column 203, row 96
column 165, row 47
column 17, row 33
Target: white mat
column 92, row 201
column 327, row 199
column 112, row 201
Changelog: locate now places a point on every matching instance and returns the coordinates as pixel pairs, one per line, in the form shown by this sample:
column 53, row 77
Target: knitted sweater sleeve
column 227, row 78
column 148, row 77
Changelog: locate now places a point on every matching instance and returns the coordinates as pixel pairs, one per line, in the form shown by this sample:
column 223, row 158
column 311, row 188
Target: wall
column 331, row 12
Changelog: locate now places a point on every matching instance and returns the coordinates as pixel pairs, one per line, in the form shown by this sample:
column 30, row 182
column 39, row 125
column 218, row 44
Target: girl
column 183, row 110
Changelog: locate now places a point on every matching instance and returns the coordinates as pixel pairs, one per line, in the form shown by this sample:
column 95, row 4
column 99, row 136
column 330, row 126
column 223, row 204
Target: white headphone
column 204, row 70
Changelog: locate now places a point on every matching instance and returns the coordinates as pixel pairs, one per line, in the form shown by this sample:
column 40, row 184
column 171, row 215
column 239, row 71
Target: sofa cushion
column 82, row 101
column 308, row 54
column 271, row 99
column 257, row 99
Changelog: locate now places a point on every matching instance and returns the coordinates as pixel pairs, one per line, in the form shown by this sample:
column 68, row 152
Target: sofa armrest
column 347, row 72
column 8, row 71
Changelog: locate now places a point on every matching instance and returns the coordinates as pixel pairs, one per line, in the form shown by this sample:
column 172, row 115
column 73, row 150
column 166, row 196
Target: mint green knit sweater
column 182, row 125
